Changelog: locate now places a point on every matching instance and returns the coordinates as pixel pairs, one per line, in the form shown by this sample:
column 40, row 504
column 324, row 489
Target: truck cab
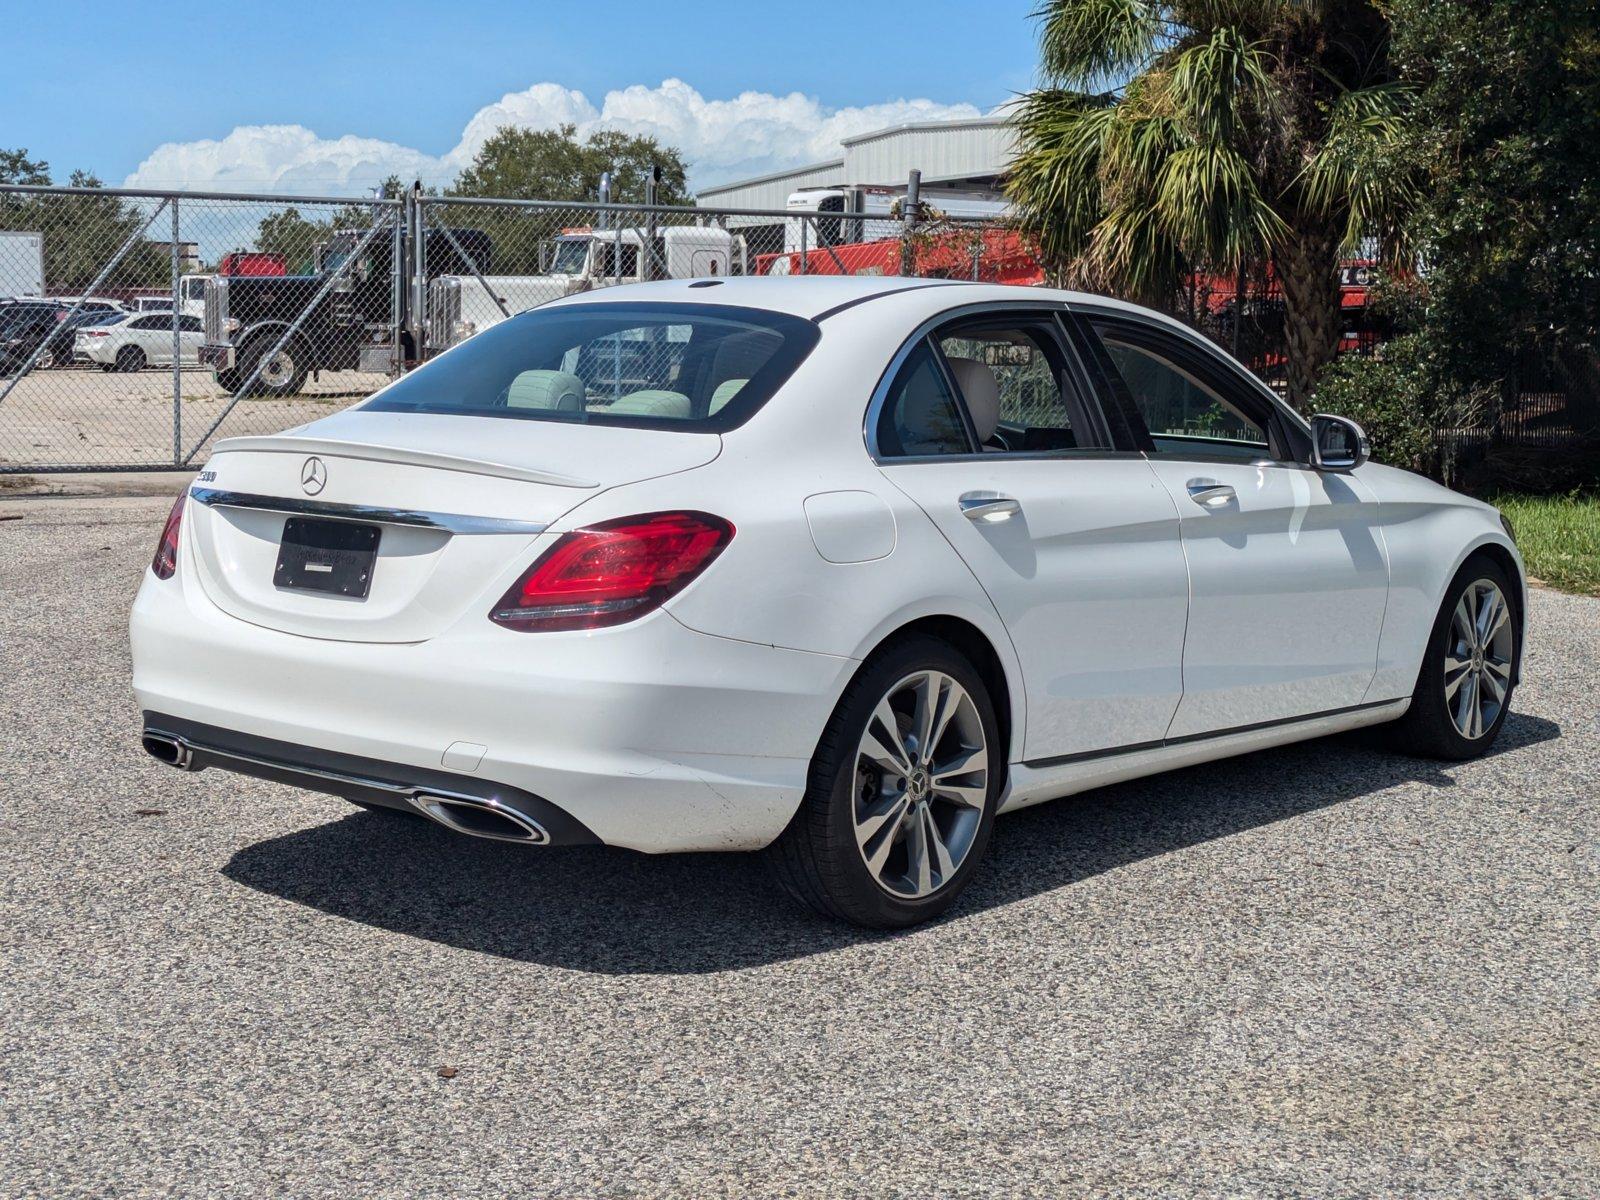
column 352, row 312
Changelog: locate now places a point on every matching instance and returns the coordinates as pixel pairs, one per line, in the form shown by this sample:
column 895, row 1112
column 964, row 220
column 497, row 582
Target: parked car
column 139, row 340
column 836, row 567
column 24, row 326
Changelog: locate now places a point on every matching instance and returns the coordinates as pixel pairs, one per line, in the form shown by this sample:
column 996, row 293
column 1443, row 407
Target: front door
column 986, row 428
column 1288, row 577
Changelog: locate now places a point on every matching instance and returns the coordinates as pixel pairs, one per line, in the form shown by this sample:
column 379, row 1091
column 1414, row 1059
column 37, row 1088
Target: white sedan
column 840, row 568
column 140, row 340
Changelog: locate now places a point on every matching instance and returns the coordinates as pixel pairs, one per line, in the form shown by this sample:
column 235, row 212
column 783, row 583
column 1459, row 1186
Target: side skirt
column 1035, row 782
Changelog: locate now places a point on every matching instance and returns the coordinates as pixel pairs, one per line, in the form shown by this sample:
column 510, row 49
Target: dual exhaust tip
column 475, row 816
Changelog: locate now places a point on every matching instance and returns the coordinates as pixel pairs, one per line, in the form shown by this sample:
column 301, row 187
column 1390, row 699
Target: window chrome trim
column 371, row 514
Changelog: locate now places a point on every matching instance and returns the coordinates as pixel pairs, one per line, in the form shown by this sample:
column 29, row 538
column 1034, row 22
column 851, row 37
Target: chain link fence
column 137, row 327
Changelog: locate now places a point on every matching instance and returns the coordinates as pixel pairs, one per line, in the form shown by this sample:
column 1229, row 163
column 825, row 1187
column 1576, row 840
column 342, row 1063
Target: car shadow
column 616, row 912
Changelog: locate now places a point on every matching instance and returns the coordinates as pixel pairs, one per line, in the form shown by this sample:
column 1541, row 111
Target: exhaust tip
column 167, row 749
column 481, row 818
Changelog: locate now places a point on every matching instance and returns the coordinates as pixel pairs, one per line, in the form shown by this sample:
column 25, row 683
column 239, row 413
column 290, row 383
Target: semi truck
column 578, row 260
column 353, row 313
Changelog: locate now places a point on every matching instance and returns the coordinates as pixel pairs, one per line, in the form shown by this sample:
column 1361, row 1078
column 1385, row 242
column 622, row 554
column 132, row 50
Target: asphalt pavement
column 1320, row 971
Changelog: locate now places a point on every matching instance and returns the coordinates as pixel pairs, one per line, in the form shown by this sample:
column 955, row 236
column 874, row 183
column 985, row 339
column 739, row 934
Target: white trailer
column 577, row 261
column 21, row 265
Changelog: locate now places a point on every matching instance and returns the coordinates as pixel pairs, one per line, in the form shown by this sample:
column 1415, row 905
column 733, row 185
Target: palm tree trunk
column 1309, row 269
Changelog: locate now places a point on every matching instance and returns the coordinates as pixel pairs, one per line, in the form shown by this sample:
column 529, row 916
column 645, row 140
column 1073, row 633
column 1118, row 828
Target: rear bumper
column 649, row 736
column 388, row 785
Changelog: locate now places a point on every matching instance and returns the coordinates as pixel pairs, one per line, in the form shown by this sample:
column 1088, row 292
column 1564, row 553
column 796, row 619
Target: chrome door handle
column 1208, row 493
column 988, row 507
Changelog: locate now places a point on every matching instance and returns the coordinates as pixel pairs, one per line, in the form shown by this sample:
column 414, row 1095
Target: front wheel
column 281, row 374
column 902, row 791
column 1463, row 692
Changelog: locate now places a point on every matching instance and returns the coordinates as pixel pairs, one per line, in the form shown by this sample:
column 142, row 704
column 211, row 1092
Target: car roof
column 819, row 296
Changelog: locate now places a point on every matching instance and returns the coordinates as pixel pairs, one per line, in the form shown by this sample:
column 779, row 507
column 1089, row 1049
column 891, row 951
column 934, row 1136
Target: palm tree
column 1234, row 131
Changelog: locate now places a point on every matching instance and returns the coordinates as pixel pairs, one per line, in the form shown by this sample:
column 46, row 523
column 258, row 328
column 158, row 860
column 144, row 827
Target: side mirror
column 1337, row 443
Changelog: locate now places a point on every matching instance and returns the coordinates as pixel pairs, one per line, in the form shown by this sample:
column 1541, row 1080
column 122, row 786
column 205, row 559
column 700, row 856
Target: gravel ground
column 1319, row 971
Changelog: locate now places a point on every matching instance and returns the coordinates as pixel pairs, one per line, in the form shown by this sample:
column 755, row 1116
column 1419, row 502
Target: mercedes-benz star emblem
column 313, row 476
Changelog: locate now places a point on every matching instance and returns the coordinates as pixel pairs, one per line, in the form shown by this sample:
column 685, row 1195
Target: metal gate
column 137, row 327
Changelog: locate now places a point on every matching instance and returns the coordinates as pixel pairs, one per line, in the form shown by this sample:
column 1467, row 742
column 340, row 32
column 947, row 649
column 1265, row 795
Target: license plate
column 336, row 557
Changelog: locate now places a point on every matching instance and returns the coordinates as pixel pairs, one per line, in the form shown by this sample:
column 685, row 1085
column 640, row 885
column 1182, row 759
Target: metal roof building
column 969, row 156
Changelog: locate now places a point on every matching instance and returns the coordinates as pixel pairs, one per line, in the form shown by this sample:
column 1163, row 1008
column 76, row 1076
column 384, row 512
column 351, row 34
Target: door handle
column 988, row 507
column 1208, row 493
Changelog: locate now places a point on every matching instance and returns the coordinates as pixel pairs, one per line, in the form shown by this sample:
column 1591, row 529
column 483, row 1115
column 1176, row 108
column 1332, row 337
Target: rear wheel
column 229, row 380
column 901, row 795
column 1463, row 692
column 130, row 358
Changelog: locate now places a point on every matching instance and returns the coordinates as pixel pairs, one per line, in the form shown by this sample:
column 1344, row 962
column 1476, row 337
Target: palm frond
column 1353, row 177
column 1054, row 180
column 1089, row 45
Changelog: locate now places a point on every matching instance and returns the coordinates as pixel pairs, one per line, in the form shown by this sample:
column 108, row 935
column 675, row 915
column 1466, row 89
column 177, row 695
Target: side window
column 142, row 323
column 1183, row 415
column 189, row 324
column 1012, row 378
column 919, row 414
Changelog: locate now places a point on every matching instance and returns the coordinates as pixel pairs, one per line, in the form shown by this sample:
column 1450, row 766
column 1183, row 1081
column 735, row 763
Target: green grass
column 1559, row 537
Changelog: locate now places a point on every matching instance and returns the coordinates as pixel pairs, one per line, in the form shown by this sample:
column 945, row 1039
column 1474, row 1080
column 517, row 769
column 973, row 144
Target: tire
column 820, row 860
column 107, row 368
column 1455, row 712
column 284, row 374
column 129, row 359
column 229, row 380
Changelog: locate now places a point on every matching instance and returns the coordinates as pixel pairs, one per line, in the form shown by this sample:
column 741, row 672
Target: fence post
column 397, row 284
column 908, row 222
column 651, row 267
column 419, row 271
column 177, row 346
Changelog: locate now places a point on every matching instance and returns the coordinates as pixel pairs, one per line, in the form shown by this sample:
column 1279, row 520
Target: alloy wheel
column 1477, row 660
column 922, row 781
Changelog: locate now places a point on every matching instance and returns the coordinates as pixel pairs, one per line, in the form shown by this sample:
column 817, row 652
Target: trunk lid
column 459, row 501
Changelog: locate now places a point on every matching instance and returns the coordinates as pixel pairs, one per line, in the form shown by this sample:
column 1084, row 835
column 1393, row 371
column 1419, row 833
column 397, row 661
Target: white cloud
column 748, row 134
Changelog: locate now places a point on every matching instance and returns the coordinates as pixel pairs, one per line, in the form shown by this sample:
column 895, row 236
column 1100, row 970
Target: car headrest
column 726, row 390
column 982, row 393
column 546, row 389
column 653, row 403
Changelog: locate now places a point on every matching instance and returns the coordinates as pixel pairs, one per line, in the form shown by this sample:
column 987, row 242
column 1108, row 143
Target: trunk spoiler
column 290, row 444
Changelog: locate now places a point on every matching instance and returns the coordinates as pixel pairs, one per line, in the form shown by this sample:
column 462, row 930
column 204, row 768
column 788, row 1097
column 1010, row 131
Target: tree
column 1507, row 141
column 81, row 232
column 1239, row 130
column 552, row 164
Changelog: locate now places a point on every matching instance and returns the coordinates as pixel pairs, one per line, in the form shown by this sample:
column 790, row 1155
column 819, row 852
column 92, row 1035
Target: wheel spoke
column 970, row 797
column 1489, row 616
column 886, row 748
column 1496, row 690
column 918, row 865
column 1499, row 667
column 1464, row 621
column 1461, row 667
column 885, row 829
column 965, row 763
column 941, row 852
column 927, row 694
column 1466, row 701
column 951, row 697
column 887, row 815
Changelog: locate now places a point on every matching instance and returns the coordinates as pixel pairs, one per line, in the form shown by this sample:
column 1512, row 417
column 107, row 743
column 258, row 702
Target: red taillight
column 613, row 572
column 166, row 560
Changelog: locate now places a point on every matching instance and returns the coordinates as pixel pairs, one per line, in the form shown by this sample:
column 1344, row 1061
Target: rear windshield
column 694, row 367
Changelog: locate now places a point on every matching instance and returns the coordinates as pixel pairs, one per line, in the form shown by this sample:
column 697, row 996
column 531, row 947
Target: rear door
column 1288, row 576
column 987, row 423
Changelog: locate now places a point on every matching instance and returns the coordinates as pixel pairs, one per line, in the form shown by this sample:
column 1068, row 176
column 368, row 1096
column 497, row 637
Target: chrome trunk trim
column 370, row 513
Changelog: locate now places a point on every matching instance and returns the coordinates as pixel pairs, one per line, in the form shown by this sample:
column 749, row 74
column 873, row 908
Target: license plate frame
column 332, row 558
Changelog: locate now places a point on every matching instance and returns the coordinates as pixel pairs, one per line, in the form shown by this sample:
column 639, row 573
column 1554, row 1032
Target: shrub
column 1407, row 406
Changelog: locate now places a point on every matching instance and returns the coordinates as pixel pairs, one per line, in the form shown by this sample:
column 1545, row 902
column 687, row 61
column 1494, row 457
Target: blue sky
column 320, row 96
